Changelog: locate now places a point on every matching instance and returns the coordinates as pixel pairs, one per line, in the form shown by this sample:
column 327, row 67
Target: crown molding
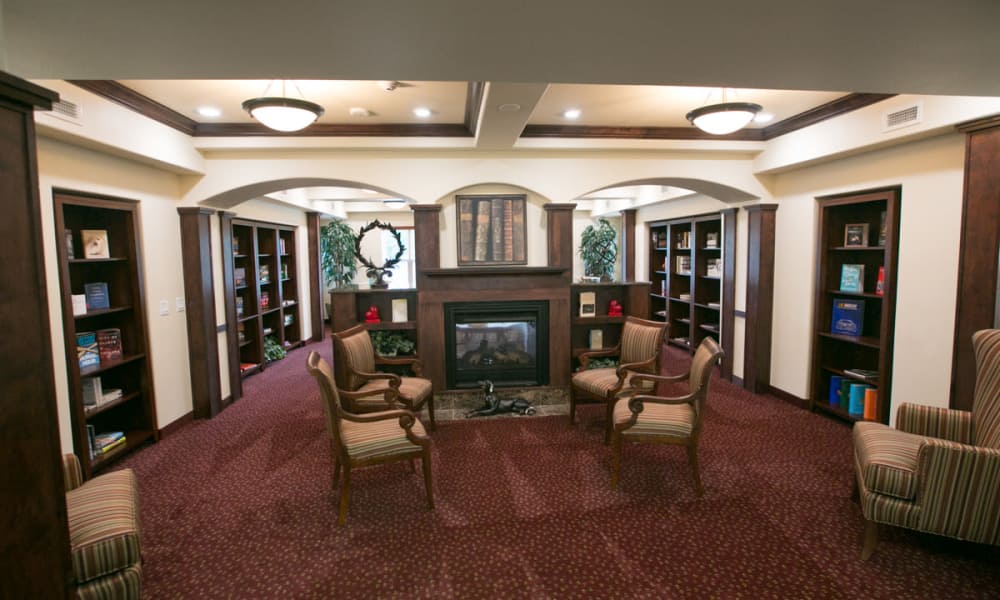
column 831, row 109
column 144, row 105
column 635, row 133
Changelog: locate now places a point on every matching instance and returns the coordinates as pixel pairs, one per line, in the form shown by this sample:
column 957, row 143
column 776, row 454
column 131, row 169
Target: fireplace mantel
column 494, row 271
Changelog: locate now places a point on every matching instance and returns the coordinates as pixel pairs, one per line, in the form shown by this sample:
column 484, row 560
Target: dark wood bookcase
column 264, row 296
column 634, row 298
column 691, row 266
column 833, row 354
column 134, row 412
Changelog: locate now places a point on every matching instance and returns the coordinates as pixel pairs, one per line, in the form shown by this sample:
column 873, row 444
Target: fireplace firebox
column 504, row 342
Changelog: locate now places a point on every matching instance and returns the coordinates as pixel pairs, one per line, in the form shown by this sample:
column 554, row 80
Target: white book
column 399, row 310
column 596, row 339
column 92, row 393
column 79, row 304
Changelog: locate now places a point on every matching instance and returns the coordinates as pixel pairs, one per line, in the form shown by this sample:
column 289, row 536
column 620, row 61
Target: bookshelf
column 690, row 270
column 633, row 298
column 850, row 233
column 348, row 308
column 125, row 380
column 264, row 294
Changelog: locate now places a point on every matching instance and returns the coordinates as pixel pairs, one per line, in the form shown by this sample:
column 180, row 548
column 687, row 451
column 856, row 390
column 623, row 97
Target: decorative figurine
column 372, row 316
column 614, row 309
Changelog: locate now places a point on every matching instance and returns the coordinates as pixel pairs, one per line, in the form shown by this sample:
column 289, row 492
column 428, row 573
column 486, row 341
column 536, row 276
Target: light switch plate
column 164, row 307
column 179, row 302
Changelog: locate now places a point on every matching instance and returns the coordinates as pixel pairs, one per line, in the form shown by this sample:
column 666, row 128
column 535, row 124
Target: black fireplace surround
column 505, row 342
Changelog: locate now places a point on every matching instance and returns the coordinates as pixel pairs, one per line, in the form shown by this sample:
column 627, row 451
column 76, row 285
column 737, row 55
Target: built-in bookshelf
column 396, row 309
column 690, row 270
column 597, row 328
column 265, row 291
column 104, row 326
column 855, row 304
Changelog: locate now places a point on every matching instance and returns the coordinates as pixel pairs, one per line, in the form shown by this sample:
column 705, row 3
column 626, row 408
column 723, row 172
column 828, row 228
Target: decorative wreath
column 372, row 269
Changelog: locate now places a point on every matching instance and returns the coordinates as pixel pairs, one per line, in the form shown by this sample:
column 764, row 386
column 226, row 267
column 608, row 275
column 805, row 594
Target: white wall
column 931, row 175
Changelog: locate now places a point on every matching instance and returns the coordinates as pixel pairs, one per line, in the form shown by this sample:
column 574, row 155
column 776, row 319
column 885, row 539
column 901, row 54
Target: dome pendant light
column 282, row 113
column 727, row 117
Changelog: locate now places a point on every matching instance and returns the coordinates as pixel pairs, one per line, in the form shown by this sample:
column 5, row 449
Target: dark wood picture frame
column 492, row 229
column 856, row 235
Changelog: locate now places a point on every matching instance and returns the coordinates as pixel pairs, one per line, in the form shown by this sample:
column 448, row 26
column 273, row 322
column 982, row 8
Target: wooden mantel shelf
column 493, row 271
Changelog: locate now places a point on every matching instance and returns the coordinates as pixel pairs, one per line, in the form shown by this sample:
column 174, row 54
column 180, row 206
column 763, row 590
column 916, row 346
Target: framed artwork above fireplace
column 491, row 229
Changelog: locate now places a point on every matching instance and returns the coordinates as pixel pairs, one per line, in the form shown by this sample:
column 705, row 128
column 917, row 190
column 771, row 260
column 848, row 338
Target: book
column 236, row 245
column 588, row 304
column 881, row 229
column 239, row 306
column 520, row 248
column 95, row 243
column 508, row 230
column 265, row 300
column 400, row 312
column 109, row 344
column 845, row 394
column 852, row 278
column 713, row 267
column 465, row 230
column 683, row 264
column 86, row 351
column 866, row 374
column 596, row 339
column 871, row 404
column 856, row 403
column 92, row 392
column 69, row 244
column 284, row 271
column 103, row 440
column 281, row 245
column 714, row 305
column 265, row 274
column 244, row 367
column 96, row 295
column 482, row 247
column 711, row 240
column 113, row 446
column 496, row 229
column 91, row 432
column 239, row 277
column 110, row 395
column 79, row 302
column 848, row 317
column 289, row 319
column 834, row 396
column 880, row 282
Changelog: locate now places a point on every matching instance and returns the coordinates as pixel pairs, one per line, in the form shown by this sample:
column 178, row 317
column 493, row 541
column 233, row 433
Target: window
column 404, row 274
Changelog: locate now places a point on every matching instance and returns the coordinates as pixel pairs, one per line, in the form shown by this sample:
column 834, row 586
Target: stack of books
column 103, row 444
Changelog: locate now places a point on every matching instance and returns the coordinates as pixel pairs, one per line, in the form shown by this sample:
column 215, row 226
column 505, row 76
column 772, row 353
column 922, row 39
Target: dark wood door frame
column 316, row 283
column 977, row 256
column 760, row 297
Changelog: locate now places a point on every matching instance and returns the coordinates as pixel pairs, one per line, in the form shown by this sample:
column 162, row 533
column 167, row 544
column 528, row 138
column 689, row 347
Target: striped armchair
column 103, row 532
column 637, row 352
column 939, row 470
column 356, row 377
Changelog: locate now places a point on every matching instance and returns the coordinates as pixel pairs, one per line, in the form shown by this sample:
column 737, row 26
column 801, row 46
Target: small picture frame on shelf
column 855, row 235
column 712, row 239
column 588, row 304
column 95, row 243
column 596, row 339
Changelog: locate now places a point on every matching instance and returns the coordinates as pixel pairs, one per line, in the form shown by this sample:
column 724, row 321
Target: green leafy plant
column 336, row 250
column 388, row 343
column 273, row 350
column 599, row 249
column 602, row 363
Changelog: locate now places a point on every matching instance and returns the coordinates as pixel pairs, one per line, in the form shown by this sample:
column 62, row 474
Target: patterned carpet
column 242, row 506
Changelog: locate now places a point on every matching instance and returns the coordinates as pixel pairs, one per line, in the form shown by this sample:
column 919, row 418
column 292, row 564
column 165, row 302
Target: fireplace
column 505, row 342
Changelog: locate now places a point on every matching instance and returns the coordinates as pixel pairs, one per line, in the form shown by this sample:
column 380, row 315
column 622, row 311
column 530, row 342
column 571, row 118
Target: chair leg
column 427, row 478
column 345, row 494
column 871, row 539
column 616, row 460
column 608, row 420
column 336, row 470
column 430, row 412
column 693, row 459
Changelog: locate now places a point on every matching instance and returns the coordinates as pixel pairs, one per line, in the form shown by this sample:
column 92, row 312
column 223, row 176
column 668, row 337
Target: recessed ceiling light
column 763, row 117
column 572, row 113
column 209, row 111
column 357, row 111
column 422, row 112
column 509, row 107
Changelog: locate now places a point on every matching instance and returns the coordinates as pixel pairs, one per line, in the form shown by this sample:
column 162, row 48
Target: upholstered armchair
column 368, row 439
column 647, row 418
column 638, row 351
column 356, row 377
column 103, row 516
column 939, row 470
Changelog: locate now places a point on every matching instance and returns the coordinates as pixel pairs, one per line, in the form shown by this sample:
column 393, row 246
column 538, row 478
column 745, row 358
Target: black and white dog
column 493, row 405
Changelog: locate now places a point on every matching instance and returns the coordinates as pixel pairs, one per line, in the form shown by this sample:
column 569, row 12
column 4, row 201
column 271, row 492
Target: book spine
column 871, row 402
column 497, row 229
column 834, row 398
column 482, row 229
column 467, row 250
column 856, row 403
column 518, row 207
column 508, row 230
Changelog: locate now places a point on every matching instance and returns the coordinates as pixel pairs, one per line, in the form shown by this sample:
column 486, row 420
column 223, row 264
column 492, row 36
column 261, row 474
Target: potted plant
column 336, row 249
column 387, row 343
column 599, row 249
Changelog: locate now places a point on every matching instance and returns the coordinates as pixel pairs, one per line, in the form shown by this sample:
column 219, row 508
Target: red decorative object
column 372, row 316
column 614, row 309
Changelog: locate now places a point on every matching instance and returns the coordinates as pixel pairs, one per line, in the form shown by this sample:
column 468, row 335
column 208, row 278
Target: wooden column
column 760, row 297
column 977, row 262
column 229, row 291
column 728, row 316
column 426, row 238
column 628, row 245
column 203, row 341
column 35, row 544
column 316, row 284
column 559, row 225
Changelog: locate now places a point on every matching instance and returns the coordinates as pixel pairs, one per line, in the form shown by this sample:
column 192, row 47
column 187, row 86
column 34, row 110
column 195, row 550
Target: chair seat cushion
column 599, row 382
column 377, row 438
column 673, row 420
column 887, row 459
column 104, row 525
column 412, row 390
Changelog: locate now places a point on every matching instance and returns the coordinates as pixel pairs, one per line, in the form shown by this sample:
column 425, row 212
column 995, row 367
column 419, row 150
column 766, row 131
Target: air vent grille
column 65, row 110
column 904, row 117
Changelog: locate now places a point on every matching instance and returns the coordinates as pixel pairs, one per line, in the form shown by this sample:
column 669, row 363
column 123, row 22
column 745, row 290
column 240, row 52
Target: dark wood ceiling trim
column 979, row 124
column 638, row 133
column 129, row 98
column 335, row 130
column 473, row 103
column 834, row 108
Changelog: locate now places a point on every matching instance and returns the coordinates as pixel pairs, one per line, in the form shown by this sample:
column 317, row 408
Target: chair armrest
column 585, row 357
column 389, row 397
column 957, row 490
column 639, row 377
column 635, row 402
column 416, row 365
column 72, row 475
column 936, row 422
column 643, row 366
column 394, row 379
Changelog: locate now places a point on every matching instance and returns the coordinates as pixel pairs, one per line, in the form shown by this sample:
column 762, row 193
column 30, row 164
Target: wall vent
column 66, row 110
column 903, row 117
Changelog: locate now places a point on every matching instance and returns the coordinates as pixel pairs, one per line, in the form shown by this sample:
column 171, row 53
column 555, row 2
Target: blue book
column 856, row 405
column 852, row 278
column 848, row 317
column 97, row 295
column 86, row 351
column 835, row 390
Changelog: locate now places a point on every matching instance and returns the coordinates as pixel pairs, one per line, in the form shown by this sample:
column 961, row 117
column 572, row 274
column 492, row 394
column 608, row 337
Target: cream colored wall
column 69, row 167
column 931, row 175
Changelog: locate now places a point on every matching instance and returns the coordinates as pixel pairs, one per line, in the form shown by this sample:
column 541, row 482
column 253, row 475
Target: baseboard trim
column 790, row 398
column 177, row 425
column 737, row 381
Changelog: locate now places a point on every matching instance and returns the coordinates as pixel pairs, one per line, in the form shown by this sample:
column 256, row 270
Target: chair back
column 323, row 375
column 353, row 352
column 705, row 357
column 986, row 403
column 642, row 340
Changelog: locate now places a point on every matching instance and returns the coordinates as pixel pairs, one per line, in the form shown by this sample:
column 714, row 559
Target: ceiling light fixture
column 723, row 118
column 282, row 113
column 209, row 111
column 571, row 113
column 422, row 112
column 394, row 203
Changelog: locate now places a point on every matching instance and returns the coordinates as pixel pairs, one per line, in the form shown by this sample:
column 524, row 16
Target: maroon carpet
column 242, row 506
